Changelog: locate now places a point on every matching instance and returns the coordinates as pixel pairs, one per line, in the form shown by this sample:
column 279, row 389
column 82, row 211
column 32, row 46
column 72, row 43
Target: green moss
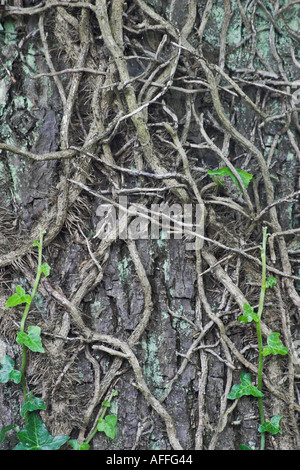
column 162, row 237
column 290, row 157
column 217, row 14
column 263, row 43
column 214, row 25
column 9, row 30
column 151, row 366
column 96, row 309
column 154, row 445
column 17, row 173
column 181, row 324
column 4, row 87
column 29, row 65
column 294, row 23
column 164, row 315
column 234, row 33
column 166, row 268
column 124, row 268
column 22, row 102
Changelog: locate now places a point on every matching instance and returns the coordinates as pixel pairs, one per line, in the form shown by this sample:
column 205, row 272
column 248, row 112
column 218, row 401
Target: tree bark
column 124, row 107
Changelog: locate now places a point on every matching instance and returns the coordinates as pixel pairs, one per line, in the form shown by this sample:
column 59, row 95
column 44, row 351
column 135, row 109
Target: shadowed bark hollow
column 110, row 109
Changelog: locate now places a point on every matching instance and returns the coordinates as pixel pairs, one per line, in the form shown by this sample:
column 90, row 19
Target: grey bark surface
column 145, row 297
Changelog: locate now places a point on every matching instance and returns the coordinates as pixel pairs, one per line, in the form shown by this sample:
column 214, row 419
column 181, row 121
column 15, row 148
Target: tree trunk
column 112, row 115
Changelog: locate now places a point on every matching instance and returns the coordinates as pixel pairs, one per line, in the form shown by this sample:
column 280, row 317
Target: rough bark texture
column 153, row 94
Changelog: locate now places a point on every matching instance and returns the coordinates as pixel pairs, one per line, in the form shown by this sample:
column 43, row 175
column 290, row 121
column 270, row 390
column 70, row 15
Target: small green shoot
column 225, row 171
column 248, row 315
column 35, row 435
column 77, row 446
column 31, row 339
column 106, row 424
column 274, row 347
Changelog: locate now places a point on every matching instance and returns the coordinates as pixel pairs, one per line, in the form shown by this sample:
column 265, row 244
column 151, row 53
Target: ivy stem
column 259, row 382
column 259, row 335
column 26, row 310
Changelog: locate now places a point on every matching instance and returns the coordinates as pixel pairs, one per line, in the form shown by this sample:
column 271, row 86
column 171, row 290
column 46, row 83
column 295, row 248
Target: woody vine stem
column 144, row 103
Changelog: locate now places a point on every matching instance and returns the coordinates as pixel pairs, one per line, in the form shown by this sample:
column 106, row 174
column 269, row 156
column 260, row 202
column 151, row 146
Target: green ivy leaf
column 274, row 346
column 18, row 298
column 244, row 447
column 245, row 177
column 77, row 446
column 6, row 429
column 106, row 403
column 248, row 315
column 8, row 372
column 244, row 388
column 32, row 404
column 225, row 171
column 273, row 426
column 45, row 268
column 32, row 340
column 35, row 436
column 271, row 282
column 108, row 425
